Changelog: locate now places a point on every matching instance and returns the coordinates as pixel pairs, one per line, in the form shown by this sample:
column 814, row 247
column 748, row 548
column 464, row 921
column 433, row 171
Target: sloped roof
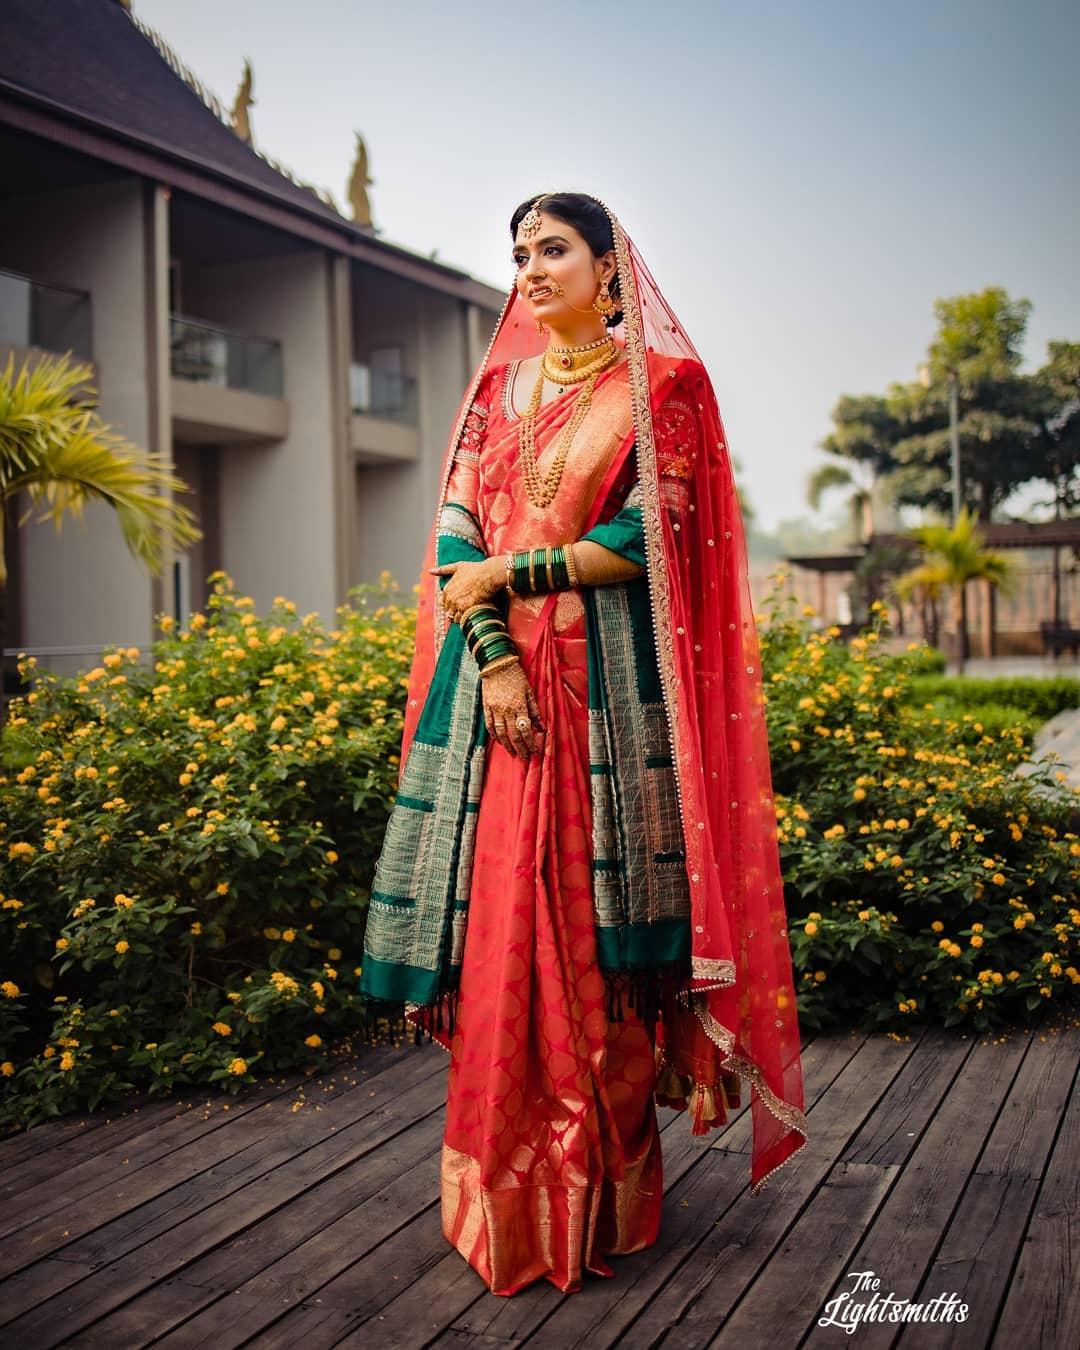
column 87, row 58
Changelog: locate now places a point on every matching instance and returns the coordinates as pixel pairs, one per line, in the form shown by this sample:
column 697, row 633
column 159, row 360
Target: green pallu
column 415, row 935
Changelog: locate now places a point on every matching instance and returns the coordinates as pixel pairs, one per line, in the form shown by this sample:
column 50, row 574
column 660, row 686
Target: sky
column 803, row 180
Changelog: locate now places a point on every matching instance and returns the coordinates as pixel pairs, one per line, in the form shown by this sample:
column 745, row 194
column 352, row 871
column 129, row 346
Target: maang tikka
column 530, row 221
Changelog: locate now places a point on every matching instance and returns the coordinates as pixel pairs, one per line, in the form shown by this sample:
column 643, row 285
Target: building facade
column 301, row 373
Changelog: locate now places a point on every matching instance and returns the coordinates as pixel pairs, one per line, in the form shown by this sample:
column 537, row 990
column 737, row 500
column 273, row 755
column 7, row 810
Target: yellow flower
column 222, row 888
column 864, row 915
column 222, row 1028
column 331, row 856
column 976, row 940
column 67, row 1061
column 859, row 794
column 196, row 928
column 238, row 1066
column 313, row 1041
column 938, row 926
column 833, row 832
column 10, row 989
column 184, row 779
column 820, row 977
column 810, row 929
column 998, row 879
column 289, row 935
column 7, row 1068
column 334, row 953
column 122, row 946
column 62, row 944
column 796, row 746
column 122, row 901
column 274, row 934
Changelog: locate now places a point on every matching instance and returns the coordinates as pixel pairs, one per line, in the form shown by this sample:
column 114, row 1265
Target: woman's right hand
column 507, row 695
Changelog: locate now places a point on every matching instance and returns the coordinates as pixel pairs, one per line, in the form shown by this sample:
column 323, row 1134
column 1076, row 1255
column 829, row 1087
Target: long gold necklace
column 541, row 491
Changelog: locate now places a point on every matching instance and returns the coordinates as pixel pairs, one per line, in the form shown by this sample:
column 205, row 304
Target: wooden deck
column 946, row 1164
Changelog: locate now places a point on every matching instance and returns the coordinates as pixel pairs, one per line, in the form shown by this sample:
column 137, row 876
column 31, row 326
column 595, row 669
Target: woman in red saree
column 579, row 892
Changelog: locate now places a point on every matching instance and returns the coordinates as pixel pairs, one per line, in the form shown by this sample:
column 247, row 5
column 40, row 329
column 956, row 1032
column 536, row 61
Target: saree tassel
column 613, row 984
column 451, row 1011
column 702, row 1105
column 668, row 1084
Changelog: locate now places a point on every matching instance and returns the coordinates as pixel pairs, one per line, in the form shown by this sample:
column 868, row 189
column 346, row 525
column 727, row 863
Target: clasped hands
column 511, row 712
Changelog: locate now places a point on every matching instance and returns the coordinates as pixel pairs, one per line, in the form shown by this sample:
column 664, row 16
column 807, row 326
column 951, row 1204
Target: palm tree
column 56, row 449
column 953, row 556
column 924, row 586
column 829, row 476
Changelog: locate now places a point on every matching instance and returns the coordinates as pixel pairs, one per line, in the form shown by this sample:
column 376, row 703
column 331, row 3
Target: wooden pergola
column 1052, row 534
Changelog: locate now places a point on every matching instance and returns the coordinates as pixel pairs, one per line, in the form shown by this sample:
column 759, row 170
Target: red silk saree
column 601, row 927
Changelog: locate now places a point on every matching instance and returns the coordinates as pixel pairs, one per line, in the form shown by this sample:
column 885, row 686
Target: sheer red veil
column 741, row 989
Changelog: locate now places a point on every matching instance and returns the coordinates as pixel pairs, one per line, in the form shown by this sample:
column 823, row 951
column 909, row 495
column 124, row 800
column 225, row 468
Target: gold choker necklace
column 573, row 365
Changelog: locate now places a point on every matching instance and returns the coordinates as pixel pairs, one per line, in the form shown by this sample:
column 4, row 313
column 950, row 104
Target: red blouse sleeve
column 675, row 427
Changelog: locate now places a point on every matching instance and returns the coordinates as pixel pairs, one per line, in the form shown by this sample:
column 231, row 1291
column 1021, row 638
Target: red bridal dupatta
column 734, row 1012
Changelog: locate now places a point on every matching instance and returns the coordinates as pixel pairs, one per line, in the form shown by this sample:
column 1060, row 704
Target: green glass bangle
column 481, row 635
column 504, row 647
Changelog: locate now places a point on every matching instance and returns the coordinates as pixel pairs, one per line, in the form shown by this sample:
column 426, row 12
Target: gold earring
column 604, row 305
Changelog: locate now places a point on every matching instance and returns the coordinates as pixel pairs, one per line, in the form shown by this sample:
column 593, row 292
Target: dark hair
column 588, row 217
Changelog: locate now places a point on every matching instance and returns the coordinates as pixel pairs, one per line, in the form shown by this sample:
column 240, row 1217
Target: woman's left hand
column 470, row 583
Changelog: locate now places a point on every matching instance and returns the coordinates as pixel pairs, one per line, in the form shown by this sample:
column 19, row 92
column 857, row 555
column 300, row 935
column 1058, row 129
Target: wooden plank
column 268, row 1216
column 903, row 1236
column 722, row 1236
column 1042, row 1305
column 360, row 1195
column 690, row 1169
column 195, row 1132
column 54, row 1153
column 987, row 1228
column 89, row 1237
column 75, row 1131
column 342, row 1244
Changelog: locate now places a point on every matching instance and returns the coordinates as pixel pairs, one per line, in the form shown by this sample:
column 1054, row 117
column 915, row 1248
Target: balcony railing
column 381, row 393
column 211, row 355
column 33, row 314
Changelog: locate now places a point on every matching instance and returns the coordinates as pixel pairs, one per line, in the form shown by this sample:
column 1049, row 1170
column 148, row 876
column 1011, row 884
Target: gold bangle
column 549, row 554
column 498, row 664
column 571, row 570
column 508, row 562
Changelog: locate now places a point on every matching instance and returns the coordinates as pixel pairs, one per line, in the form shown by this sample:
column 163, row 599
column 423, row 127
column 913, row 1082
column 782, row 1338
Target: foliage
column 188, row 845
column 953, row 555
column 1013, row 428
column 1039, row 697
column 926, row 881
column 187, row 850
column 56, row 449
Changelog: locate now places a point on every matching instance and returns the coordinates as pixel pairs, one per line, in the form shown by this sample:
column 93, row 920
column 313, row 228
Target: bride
column 579, row 894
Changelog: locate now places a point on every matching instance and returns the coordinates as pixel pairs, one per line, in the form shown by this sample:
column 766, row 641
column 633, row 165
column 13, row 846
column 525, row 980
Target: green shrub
column 926, row 881
column 1041, row 698
column 953, row 722
column 187, row 849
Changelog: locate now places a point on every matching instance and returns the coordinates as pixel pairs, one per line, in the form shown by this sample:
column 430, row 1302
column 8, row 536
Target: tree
column 953, row 556
column 55, row 448
column 1000, row 411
